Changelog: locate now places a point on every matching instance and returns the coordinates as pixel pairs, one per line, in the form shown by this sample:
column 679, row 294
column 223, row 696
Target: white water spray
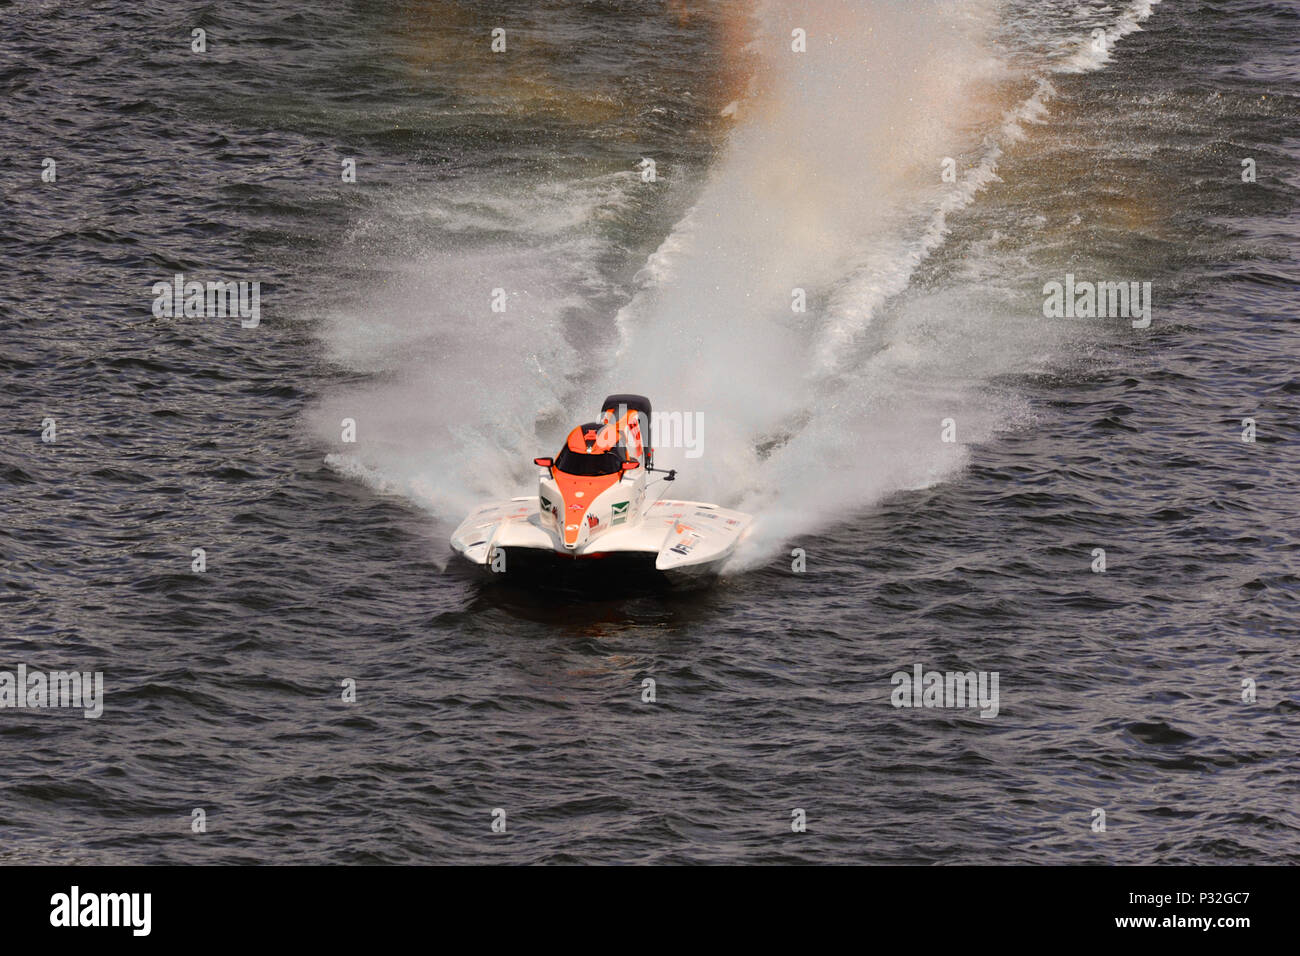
column 831, row 184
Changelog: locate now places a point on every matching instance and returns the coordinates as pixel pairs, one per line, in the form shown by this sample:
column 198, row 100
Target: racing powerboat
column 595, row 500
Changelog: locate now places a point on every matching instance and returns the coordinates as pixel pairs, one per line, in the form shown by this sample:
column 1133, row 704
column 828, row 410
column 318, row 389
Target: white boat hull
column 685, row 538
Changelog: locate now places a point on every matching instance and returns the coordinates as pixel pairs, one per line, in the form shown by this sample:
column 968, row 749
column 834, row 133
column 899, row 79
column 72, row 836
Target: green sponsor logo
column 546, row 504
column 620, row 512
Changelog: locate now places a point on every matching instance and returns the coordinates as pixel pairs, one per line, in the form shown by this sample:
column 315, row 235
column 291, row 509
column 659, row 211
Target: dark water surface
column 1120, row 691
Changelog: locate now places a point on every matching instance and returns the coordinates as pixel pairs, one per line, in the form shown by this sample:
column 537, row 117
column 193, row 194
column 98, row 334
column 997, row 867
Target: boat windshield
column 588, row 466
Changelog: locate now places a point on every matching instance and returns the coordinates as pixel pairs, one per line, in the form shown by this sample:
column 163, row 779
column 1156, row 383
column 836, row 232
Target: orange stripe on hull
column 575, row 504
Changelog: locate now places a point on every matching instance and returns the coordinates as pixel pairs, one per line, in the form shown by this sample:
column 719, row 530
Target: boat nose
column 573, row 530
column 575, row 518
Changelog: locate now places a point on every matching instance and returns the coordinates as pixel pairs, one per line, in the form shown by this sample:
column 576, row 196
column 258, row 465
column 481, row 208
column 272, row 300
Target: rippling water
column 326, row 561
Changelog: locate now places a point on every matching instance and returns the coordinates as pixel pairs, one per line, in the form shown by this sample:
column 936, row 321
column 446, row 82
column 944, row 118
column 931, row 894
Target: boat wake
column 806, row 308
